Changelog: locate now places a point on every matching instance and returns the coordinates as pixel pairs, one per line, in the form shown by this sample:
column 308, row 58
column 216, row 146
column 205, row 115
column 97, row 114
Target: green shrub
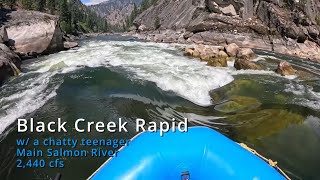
column 157, row 23
column 66, row 27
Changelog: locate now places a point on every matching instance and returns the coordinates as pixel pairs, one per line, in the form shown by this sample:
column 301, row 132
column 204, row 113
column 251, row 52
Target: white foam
column 306, row 96
column 258, row 58
column 33, row 97
column 296, row 89
column 188, row 78
column 250, row 71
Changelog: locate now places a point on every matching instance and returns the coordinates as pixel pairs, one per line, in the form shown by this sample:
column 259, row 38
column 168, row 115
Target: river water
column 112, row 77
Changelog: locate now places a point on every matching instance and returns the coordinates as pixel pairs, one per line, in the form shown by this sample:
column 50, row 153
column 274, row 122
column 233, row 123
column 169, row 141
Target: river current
column 115, row 77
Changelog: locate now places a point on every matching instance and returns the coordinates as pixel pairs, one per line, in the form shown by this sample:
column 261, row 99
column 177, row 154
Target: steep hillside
column 115, row 11
column 284, row 26
column 212, row 14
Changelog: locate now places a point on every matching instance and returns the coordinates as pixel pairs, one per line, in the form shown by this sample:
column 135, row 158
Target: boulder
column 196, row 38
column 214, row 55
column 232, row 49
column 245, row 64
column 195, row 51
column 3, row 35
column 284, row 68
column 313, row 32
column 246, row 53
column 213, row 6
column 229, row 10
column 32, row 32
column 218, row 62
column 6, row 53
column 188, row 51
column 142, row 27
column 70, row 44
column 222, row 54
column 187, row 34
column 294, row 32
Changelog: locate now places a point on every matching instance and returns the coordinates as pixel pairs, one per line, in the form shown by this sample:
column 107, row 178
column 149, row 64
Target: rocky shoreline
column 308, row 50
column 291, row 28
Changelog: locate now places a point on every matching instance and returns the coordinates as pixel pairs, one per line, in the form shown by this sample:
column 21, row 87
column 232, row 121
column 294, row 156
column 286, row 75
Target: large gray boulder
column 33, row 33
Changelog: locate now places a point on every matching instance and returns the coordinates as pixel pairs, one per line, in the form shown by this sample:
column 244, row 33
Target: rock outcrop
column 232, row 49
column 246, row 53
column 33, row 33
column 217, row 56
column 288, row 27
column 285, row 69
column 9, row 63
column 213, row 55
column 245, row 64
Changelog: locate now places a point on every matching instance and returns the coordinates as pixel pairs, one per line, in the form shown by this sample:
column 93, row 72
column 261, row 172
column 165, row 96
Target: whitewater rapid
column 160, row 63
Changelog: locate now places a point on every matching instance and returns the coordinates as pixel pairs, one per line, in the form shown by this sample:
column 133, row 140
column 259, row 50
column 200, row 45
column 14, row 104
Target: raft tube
column 199, row 154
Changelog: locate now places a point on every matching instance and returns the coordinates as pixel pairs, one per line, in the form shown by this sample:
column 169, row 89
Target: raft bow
column 200, row 154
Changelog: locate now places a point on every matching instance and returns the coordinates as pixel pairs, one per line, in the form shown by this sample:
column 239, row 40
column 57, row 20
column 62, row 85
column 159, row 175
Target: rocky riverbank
column 28, row 34
column 278, row 26
column 242, row 58
column 308, row 49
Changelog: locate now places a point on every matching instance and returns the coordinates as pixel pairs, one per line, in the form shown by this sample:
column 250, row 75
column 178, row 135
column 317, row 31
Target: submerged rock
column 58, row 66
column 285, row 69
column 258, row 124
column 245, row 64
column 238, row 103
column 70, row 44
column 238, row 87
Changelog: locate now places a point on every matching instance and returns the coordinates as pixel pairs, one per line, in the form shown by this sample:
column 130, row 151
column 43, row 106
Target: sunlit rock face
column 32, row 33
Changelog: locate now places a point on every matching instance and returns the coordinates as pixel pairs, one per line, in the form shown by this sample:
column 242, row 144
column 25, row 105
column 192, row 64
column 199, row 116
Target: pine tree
column 73, row 16
column 11, row 3
column 65, row 16
column 157, row 23
column 124, row 27
column 27, row 4
column 51, row 4
column 144, row 5
column 40, row 5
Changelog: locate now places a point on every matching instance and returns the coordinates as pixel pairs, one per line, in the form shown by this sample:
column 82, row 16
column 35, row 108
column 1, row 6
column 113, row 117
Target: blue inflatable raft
column 199, row 154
